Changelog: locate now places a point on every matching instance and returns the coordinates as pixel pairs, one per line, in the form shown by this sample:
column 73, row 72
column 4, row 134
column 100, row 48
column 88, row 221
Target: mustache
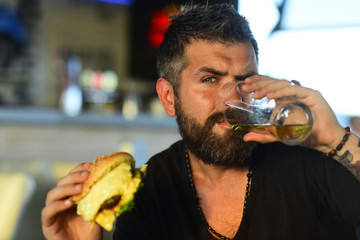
column 213, row 119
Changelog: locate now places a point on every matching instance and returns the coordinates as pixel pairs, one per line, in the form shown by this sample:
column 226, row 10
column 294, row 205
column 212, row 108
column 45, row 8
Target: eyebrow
column 212, row 71
column 221, row 73
column 244, row 76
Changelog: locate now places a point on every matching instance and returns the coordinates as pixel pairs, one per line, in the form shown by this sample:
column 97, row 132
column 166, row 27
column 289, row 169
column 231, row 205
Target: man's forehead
column 197, row 47
column 216, row 56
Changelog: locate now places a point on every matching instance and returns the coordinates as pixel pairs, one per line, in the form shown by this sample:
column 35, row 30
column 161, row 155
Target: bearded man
column 217, row 183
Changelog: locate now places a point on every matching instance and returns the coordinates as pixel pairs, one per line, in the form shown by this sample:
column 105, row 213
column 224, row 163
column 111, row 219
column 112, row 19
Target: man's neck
column 212, row 173
column 221, row 194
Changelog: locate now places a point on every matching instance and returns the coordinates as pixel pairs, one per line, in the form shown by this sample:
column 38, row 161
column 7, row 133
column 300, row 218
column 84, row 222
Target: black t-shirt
column 296, row 193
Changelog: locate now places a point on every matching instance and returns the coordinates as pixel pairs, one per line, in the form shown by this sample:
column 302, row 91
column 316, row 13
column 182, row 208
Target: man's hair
column 214, row 23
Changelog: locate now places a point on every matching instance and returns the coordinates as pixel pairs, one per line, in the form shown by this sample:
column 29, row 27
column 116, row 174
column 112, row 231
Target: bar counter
column 44, row 144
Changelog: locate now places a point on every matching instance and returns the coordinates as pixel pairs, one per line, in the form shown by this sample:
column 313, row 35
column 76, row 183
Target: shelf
column 51, row 117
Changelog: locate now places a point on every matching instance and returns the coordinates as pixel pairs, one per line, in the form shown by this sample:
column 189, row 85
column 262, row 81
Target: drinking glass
column 289, row 120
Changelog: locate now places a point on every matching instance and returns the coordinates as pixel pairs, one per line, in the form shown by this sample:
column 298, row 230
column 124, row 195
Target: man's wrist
column 335, row 150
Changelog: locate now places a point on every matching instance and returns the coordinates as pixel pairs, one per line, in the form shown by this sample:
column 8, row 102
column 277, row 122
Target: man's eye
column 209, row 79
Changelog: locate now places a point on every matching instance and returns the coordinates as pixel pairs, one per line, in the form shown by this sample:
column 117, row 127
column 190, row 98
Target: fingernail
column 270, row 94
column 87, row 165
column 255, row 94
column 68, row 202
column 78, row 186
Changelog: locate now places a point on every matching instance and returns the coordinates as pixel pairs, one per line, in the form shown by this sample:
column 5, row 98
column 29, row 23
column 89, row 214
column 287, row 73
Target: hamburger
column 109, row 189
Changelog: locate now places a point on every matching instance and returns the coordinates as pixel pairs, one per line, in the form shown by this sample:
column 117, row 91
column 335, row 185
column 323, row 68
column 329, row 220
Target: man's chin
column 214, row 142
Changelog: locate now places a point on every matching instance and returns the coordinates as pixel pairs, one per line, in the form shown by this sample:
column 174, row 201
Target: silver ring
column 294, row 82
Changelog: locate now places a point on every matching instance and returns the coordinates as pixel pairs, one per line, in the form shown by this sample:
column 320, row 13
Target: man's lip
column 223, row 123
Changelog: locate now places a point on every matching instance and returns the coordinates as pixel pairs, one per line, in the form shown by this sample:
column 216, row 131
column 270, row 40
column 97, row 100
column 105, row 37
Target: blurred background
column 77, row 80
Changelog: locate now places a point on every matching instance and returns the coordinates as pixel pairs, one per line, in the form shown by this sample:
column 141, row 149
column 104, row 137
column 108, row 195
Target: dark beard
column 228, row 151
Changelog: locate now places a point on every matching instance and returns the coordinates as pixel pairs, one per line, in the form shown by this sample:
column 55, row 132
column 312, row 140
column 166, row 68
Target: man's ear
column 165, row 92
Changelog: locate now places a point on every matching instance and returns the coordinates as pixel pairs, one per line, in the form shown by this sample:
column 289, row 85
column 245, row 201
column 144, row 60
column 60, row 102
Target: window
column 316, row 42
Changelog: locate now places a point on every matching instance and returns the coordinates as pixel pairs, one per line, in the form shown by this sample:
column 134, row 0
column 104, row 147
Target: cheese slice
column 106, row 219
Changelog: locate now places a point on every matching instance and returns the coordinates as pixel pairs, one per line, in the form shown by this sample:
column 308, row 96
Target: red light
column 97, row 80
column 159, row 24
column 155, row 39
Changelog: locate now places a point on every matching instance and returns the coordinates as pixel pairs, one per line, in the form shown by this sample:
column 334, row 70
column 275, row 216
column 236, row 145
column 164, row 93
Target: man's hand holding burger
column 59, row 218
column 90, row 196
